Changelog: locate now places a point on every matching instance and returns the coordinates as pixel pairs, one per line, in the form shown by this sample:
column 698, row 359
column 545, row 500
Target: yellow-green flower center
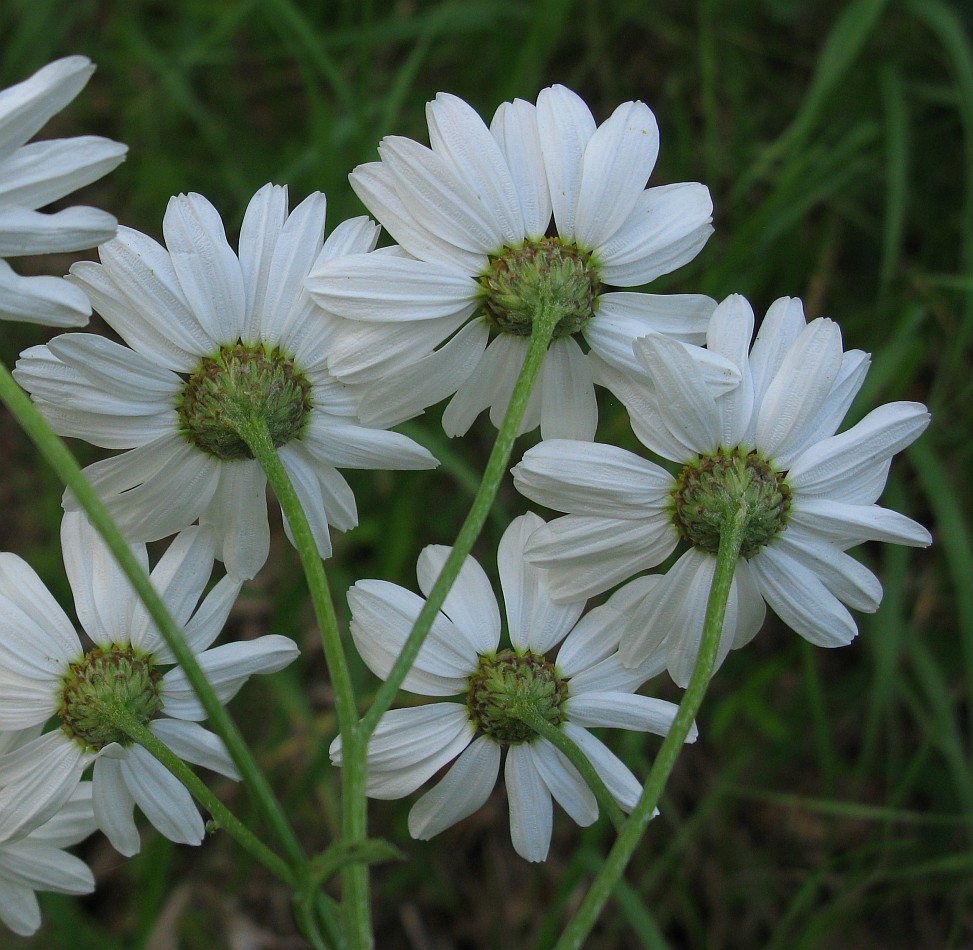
column 100, row 683
column 712, row 485
column 544, row 273
column 241, row 382
column 508, row 680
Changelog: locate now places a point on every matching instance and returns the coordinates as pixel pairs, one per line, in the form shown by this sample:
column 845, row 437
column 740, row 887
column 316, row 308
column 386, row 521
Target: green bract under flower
column 507, row 680
column 118, row 677
column 711, row 486
column 240, row 383
column 538, row 275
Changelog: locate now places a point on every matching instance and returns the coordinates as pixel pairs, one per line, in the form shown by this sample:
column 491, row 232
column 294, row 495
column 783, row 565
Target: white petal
column 30, row 232
column 852, row 524
column 801, row 600
column 382, row 616
column 115, row 807
column 470, row 604
column 45, row 868
column 193, row 743
column 457, row 133
column 237, row 513
column 514, row 126
column 207, row 623
column 392, row 289
column 307, row 476
column 781, row 326
column 534, row 621
column 729, row 335
column 464, row 789
column 19, row 909
column 624, row 711
column 618, row 160
column 568, row 406
column 565, row 125
column 346, row 445
column 799, row 388
column 262, row 223
column 586, row 556
column 208, row 270
column 51, row 301
column 227, row 668
column 592, row 479
column 622, row 317
column 624, row 787
column 163, row 799
column 667, row 228
column 564, row 782
column 841, row 467
column 405, row 393
column 531, row 811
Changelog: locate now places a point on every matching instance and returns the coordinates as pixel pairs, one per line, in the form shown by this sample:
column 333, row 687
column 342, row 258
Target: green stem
column 140, row 733
column 731, row 538
column 541, row 334
column 528, row 714
column 57, row 455
column 354, row 875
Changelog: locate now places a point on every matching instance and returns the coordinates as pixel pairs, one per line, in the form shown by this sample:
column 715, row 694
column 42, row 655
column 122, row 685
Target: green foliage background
column 829, row 800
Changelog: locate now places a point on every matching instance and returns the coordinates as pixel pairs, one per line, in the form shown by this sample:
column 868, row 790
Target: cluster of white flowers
column 325, row 344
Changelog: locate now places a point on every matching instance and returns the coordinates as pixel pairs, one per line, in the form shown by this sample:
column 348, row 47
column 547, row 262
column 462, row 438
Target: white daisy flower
column 213, row 335
column 473, row 213
column 585, row 686
column 770, row 439
column 45, row 672
column 34, row 175
column 38, row 862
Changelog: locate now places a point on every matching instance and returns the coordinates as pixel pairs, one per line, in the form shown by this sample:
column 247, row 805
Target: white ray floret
column 472, row 215
column 32, row 175
column 626, row 514
column 197, row 316
column 45, row 672
column 462, row 656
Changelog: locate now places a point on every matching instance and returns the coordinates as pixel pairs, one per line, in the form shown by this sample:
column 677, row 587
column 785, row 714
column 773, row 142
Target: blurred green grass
column 829, row 800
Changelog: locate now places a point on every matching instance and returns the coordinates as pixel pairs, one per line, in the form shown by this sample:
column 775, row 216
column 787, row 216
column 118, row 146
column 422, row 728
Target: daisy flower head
column 34, row 175
column 769, row 441
column 215, row 339
column 585, row 686
column 451, row 313
column 45, row 672
column 38, row 861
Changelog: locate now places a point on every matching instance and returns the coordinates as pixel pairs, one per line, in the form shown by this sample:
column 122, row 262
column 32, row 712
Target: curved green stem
column 528, row 714
column 247, row 840
column 57, row 455
column 541, row 334
column 354, row 875
column 731, row 538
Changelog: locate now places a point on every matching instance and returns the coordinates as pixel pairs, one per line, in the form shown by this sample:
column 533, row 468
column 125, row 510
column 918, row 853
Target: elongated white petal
column 531, row 811
column 259, row 233
column 564, row 782
column 163, row 799
column 534, row 621
column 193, row 743
column 801, row 600
column 114, row 807
column 457, row 133
column 514, row 126
column 208, row 621
column 464, row 789
column 23, row 231
column 207, row 268
column 42, row 867
column 306, row 475
column 237, row 514
column 568, row 406
column 618, row 159
column 19, row 909
column 382, row 617
column 52, row 301
column 470, row 604
column 624, row 786
column 783, row 323
column 592, row 478
column 625, row 711
column 848, row 525
column 346, row 445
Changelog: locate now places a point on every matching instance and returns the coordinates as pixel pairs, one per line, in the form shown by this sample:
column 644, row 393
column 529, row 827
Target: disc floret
column 103, row 682
column 539, row 274
column 711, row 486
column 508, row 681
column 239, row 383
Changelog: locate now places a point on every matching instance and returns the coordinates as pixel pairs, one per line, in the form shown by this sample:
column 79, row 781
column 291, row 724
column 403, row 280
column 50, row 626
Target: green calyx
column 101, row 682
column 711, row 486
column 508, row 681
column 241, row 383
column 535, row 276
